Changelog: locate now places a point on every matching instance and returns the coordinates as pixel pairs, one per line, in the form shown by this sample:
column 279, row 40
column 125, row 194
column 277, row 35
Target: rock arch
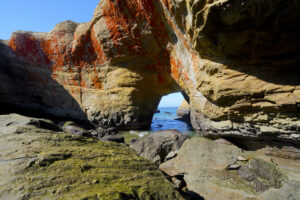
column 236, row 61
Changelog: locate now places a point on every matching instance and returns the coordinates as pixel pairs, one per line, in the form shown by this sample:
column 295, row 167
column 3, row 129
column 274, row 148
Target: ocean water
column 164, row 120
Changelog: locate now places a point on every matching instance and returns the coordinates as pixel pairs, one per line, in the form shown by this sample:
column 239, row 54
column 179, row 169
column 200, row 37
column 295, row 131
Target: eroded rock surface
column 39, row 163
column 220, row 170
column 183, row 112
column 241, row 61
column 184, row 109
column 159, row 145
column 238, row 61
column 102, row 134
column 111, row 71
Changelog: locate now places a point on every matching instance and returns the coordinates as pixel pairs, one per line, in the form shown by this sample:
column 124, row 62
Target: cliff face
column 243, row 64
column 236, row 60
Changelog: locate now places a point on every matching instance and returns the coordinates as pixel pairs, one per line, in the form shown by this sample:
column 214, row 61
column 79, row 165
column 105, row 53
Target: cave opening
column 172, row 113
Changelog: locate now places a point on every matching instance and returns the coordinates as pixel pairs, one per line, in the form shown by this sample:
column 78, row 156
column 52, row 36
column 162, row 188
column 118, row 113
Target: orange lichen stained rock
column 96, row 82
column 175, row 67
column 27, row 47
column 129, row 22
column 83, row 59
column 96, row 48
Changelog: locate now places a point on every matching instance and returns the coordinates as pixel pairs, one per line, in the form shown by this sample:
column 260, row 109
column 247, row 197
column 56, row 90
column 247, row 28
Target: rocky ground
column 236, row 62
column 159, row 146
column 38, row 161
column 41, row 159
column 217, row 169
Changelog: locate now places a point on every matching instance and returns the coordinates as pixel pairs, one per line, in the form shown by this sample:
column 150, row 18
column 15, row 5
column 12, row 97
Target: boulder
column 72, row 128
column 221, row 170
column 76, row 130
column 38, row 163
column 184, row 109
column 158, row 145
column 15, row 120
column 101, row 133
column 183, row 112
column 113, row 138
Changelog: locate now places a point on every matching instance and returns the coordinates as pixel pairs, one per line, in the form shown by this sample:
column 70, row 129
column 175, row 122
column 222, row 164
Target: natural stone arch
column 135, row 51
column 115, row 75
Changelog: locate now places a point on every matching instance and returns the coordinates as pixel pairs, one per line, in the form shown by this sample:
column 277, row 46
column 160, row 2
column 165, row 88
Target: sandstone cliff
column 238, row 61
column 242, row 63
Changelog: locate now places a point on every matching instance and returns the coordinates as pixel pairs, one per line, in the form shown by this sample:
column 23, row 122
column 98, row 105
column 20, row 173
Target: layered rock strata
column 242, row 62
column 238, row 61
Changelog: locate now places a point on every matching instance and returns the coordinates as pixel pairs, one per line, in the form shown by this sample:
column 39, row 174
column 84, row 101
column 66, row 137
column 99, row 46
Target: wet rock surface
column 113, row 138
column 262, row 174
column 220, row 170
column 39, row 163
column 158, row 145
column 101, row 133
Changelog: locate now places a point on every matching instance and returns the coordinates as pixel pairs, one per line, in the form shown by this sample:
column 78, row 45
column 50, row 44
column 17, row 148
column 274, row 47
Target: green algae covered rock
column 36, row 163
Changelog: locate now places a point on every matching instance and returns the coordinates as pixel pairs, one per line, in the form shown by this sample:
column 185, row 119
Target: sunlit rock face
column 111, row 71
column 238, row 61
column 242, row 61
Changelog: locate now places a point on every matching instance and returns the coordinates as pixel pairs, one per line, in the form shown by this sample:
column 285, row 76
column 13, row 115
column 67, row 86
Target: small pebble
column 241, row 158
column 233, row 167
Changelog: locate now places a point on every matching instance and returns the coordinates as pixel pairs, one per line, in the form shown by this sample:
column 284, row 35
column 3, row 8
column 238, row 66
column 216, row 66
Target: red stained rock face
column 127, row 24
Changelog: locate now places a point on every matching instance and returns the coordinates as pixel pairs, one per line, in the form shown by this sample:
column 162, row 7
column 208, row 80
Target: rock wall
column 242, row 61
column 236, row 60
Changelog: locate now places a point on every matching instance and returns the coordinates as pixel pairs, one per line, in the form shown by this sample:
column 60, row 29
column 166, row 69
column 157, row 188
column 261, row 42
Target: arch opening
column 172, row 113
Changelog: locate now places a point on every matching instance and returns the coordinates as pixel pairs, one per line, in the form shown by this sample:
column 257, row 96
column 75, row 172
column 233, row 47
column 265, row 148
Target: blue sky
column 171, row 100
column 42, row 16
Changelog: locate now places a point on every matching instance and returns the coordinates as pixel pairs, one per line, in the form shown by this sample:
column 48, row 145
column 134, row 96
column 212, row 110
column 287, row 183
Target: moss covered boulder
column 38, row 163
